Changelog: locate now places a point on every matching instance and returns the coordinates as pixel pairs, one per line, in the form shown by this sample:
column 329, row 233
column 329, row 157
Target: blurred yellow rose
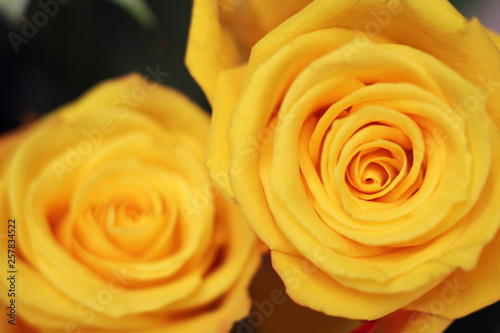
column 118, row 226
column 361, row 140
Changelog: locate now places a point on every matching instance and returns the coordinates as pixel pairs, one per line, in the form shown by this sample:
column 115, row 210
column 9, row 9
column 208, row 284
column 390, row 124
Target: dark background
column 88, row 41
column 84, row 43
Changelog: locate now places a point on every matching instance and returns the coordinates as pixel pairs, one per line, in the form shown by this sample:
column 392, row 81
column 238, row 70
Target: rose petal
column 222, row 33
column 310, row 287
column 412, row 322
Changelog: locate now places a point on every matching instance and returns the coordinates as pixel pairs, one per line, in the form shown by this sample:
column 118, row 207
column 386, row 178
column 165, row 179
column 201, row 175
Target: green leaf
column 139, row 9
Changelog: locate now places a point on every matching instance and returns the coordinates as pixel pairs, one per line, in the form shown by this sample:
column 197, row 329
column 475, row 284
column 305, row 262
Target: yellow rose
column 117, row 224
column 362, row 142
column 223, row 32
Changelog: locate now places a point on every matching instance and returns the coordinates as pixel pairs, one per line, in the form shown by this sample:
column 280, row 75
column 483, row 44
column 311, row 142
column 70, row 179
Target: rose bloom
column 361, row 139
column 117, row 224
